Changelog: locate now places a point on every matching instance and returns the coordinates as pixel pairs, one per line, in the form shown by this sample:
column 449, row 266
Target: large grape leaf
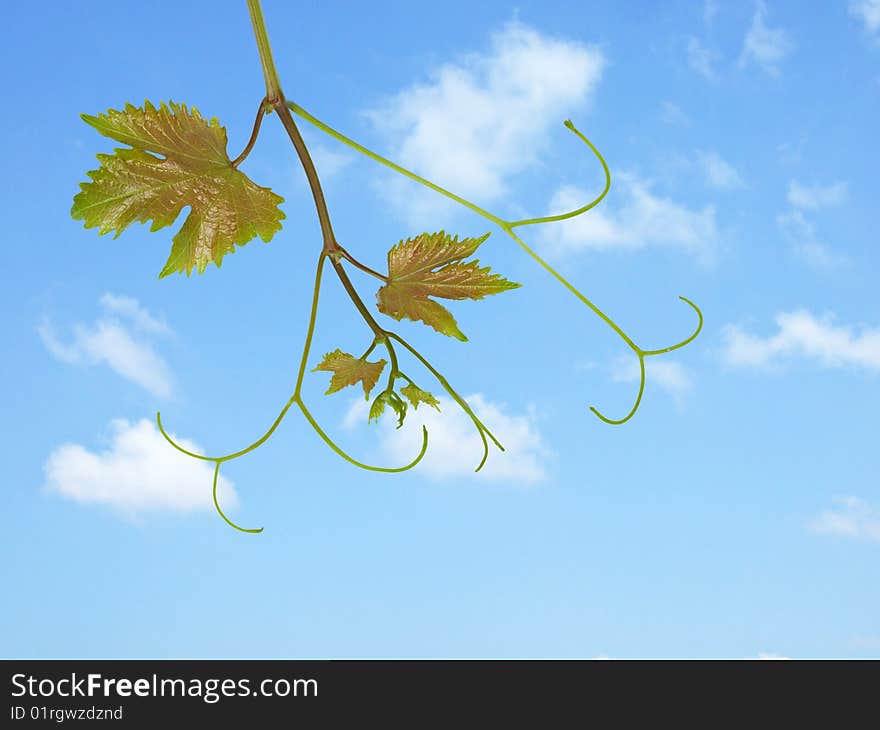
column 430, row 265
column 226, row 207
column 350, row 370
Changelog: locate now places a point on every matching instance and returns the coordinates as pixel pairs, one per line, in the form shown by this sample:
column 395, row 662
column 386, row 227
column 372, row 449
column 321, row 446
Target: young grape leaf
column 226, row 207
column 349, row 370
column 388, row 397
column 430, row 265
column 416, row 395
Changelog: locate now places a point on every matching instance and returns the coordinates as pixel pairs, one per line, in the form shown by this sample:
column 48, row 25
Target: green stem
column 327, row 129
column 310, row 330
column 273, row 85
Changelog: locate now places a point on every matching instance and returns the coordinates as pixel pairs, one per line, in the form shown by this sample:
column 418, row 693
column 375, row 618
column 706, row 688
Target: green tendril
column 220, row 511
column 619, row 421
column 228, row 457
column 683, row 342
column 583, row 209
column 642, row 354
column 314, row 424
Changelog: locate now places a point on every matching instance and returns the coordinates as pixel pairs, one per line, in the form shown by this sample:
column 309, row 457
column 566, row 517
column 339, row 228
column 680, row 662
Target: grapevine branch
column 336, row 255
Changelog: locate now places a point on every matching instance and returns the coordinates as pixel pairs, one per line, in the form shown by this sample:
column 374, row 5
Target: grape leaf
column 416, row 395
column 388, row 397
column 226, row 207
column 430, row 265
column 349, row 370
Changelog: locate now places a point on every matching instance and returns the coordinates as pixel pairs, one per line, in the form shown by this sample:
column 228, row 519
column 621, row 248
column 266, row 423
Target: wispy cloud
column 710, row 11
column 718, row 172
column 814, row 197
column 801, row 231
column 118, row 339
column 868, row 13
column 138, row 472
column 805, row 243
column 673, row 114
column 765, row 46
column 851, row 517
column 801, row 335
column 130, row 308
column 454, row 449
column 478, row 121
column 702, row 59
column 642, row 219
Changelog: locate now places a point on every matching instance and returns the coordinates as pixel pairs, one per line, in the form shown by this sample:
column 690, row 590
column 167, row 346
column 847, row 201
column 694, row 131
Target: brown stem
column 275, row 96
column 305, row 159
column 256, row 130
column 363, row 267
column 331, row 247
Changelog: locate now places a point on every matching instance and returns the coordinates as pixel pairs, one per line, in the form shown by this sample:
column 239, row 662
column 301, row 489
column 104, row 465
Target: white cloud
column 643, row 219
column 718, row 172
column 131, row 309
column 139, row 472
column 454, row 448
column 852, row 517
column 117, row 339
column 763, row 45
column 803, row 335
column 480, row 120
column 868, row 12
column 801, row 231
column 813, row 197
column 802, row 237
column 670, row 375
column 702, row 59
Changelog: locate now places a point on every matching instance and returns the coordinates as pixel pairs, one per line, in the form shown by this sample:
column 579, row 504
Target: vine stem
column 331, row 248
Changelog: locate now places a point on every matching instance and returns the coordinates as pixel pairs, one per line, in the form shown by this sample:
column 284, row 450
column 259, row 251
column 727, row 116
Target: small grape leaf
column 388, row 397
column 349, row 370
column 226, row 207
column 430, row 265
column 416, row 395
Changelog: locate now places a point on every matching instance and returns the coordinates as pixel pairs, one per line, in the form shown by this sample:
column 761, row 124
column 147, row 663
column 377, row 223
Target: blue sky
column 737, row 515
